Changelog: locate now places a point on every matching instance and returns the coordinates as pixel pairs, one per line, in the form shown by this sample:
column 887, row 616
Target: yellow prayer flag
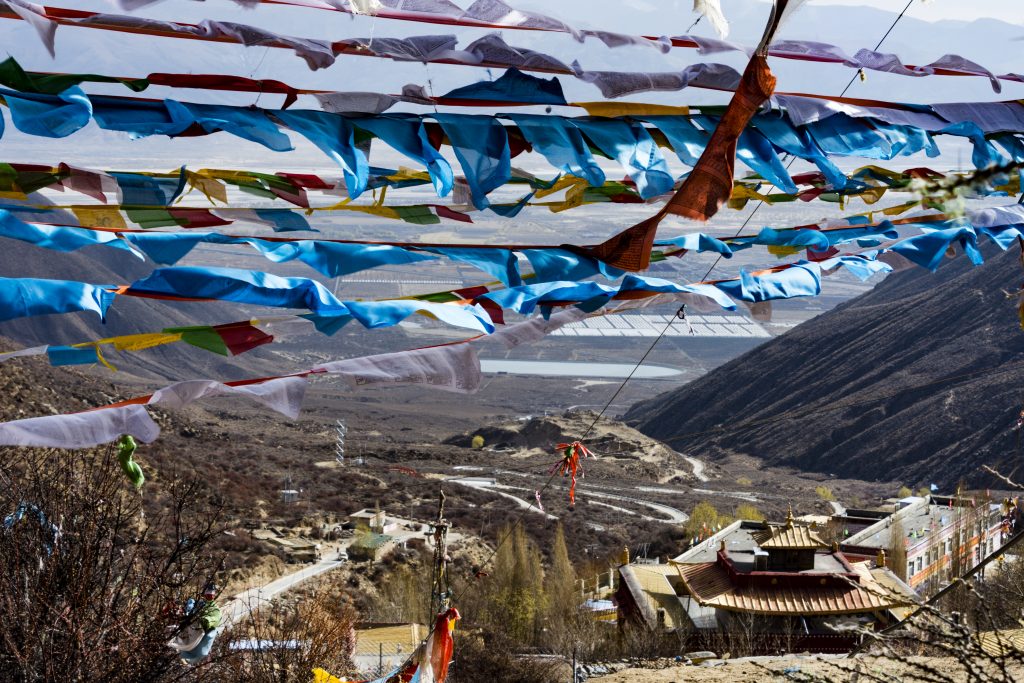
column 374, row 210
column 900, row 208
column 631, row 109
column 746, row 192
column 872, row 195
column 321, row 676
column 137, row 342
column 782, row 251
column 406, row 173
column 560, row 184
column 99, row 217
column 104, row 361
column 210, row 187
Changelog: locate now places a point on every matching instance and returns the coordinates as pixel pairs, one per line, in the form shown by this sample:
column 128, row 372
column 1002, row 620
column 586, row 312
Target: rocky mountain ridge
column 918, row 380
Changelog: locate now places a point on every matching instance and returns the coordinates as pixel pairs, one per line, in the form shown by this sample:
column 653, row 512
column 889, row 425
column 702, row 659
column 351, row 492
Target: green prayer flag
column 16, row 78
column 204, row 336
column 419, row 214
column 153, row 218
column 125, row 449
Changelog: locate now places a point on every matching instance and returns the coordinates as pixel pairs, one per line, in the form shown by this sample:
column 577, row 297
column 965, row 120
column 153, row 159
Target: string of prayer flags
column 26, row 297
column 485, row 155
column 497, row 14
column 868, row 183
column 243, row 336
column 451, row 367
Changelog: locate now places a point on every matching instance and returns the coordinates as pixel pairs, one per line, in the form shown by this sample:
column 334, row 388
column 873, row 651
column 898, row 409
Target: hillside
column 917, row 380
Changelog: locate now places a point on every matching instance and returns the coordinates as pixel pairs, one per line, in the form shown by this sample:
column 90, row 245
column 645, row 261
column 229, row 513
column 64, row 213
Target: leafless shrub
column 86, row 577
column 282, row 643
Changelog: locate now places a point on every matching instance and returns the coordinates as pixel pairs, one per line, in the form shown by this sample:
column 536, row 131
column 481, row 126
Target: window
column 920, row 562
column 910, row 569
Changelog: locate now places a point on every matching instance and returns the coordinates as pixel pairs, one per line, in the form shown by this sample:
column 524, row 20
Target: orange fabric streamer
column 443, row 644
column 571, row 463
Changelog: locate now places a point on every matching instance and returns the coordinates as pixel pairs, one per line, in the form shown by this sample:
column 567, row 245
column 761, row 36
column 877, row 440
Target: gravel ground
column 801, row 668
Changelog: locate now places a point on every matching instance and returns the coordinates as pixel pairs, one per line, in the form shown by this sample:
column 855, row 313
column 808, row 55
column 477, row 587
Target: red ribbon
column 571, row 463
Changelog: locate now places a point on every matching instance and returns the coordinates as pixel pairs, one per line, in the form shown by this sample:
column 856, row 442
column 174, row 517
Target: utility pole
column 339, row 441
column 441, row 591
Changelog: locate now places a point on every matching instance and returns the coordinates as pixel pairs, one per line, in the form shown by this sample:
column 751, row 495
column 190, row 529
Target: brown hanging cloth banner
column 709, row 184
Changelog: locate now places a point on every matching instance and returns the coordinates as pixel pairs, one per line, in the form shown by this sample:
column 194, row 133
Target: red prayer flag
column 196, row 218
column 493, row 310
column 306, row 180
column 240, row 338
column 443, row 646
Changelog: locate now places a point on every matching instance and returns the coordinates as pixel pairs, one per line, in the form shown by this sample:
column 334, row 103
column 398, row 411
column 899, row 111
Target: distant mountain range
column 919, row 380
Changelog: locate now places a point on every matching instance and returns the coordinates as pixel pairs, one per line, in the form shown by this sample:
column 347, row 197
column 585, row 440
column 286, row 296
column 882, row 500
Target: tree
column 517, row 599
column 897, row 553
column 904, row 492
column 319, row 631
column 748, row 511
column 560, row 579
column 824, row 492
column 563, row 598
column 705, row 519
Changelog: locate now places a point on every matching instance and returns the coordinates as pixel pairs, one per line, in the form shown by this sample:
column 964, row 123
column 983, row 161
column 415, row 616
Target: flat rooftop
column 651, row 325
column 918, row 522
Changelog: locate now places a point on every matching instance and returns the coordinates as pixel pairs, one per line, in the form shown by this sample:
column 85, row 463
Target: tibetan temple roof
column 712, row 585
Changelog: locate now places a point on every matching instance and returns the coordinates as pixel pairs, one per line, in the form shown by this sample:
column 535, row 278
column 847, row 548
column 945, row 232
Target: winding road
column 247, row 602
column 671, row 515
column 485, row 484
column 698, row 467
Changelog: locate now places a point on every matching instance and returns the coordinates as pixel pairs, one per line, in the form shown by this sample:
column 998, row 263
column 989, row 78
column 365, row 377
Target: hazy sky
column 1007, row 10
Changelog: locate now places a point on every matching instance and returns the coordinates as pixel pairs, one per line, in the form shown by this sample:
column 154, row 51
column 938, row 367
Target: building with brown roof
column 776, row 580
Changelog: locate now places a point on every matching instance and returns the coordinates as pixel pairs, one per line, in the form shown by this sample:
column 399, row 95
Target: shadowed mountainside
column 919, row 380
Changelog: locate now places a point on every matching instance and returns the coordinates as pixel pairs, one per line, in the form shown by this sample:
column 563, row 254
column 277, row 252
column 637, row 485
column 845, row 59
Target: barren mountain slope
column 918, row 380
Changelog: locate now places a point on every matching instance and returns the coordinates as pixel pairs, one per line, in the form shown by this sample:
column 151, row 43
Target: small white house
column 374, row 521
